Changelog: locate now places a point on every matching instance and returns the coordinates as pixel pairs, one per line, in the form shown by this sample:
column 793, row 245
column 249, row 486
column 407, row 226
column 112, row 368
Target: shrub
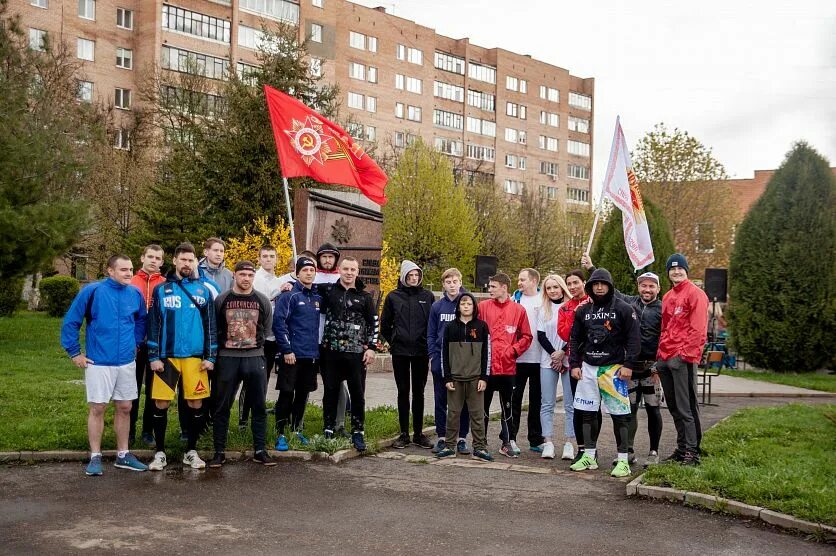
column 57, row 292
column 10, row 290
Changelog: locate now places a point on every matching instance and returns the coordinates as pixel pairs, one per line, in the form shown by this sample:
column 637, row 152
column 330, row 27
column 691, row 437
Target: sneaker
column 507, row 450
column 568, row 451
column 515, row 448
column 130, row 463
column 585, row 462
column 358, row 441
column 440, row 445
column 631, row 459
column 218, row 460
column 148, row 439
column 621, row 469
column 676, row 456
column 281, row 444
column 483, row 455
column 328, row 434
column 193, row 460
column 263, row 458
column 578, row 456
column 548, row 451
column 159, row 462
column 446, row 453
column 422, row 441
column 538, row 448
column 461, row 447
column 303, row 440
column 690, row 459
column 652, row 458
column 401, row 442
column 94, row 468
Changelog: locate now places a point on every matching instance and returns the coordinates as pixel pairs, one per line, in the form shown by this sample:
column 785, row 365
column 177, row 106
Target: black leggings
column 411, row 370
column 654, row 425
column 577, row 422
column 591, row 423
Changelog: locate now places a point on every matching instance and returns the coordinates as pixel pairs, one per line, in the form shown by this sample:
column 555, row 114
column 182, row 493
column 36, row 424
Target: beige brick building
column 526, row 122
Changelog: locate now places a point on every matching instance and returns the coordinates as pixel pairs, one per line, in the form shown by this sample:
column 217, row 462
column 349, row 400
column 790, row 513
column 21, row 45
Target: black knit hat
column 302, row 262
column 677, row 259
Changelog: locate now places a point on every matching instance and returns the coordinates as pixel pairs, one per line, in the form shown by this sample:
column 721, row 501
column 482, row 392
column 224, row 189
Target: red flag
column 310, row 145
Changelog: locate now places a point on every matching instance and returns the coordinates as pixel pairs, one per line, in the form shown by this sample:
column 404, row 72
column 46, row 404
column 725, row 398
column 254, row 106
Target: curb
column 811, row 394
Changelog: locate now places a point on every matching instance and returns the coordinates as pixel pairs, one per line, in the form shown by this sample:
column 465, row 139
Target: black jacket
column 606, row 331
column 403, row 324
column 650, row 323
column 350, row 319
column 465, row 348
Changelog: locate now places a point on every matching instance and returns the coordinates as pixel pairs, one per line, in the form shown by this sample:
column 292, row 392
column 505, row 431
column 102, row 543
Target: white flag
column 622, row 187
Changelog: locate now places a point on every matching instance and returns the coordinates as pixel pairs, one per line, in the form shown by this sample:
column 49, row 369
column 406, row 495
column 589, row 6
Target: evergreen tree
column 782, row 310
column 609, row 251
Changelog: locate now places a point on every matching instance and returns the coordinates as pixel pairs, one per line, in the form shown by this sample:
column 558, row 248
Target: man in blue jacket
column 115, row 314
column 182, row 344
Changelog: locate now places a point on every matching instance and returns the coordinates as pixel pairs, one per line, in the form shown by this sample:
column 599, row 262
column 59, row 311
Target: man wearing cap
column 244, row 317
column 296, row 328
column 644, row 384
column 684, row 331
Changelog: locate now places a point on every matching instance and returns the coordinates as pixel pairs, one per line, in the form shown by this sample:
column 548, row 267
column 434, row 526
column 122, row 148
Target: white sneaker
column 193, row 460
column 548, row 451
column 568, row 451
column 652, row 458
column 515, row 448
column 159, row 462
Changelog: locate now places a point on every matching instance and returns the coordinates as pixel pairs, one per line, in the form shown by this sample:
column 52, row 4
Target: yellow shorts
column 195, row 380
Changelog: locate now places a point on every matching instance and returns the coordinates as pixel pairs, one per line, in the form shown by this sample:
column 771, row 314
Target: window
column 124, row 18
column 448, row 91
column 481, row 73
column 510, row 161
column 523, row 86
column 448, row 62
column 521, row 137
column 548, row 168
column 411, row 55
column 316, row 32
column 191, row 102
column 578, row 172
column 85, row 49
column 512, row 83
column 372, row 44
column 123, row 99
column 316, row 67
column 37, row 39
column 522, row 163
column 362, row 42
column 552, row 95
column 485, row 101
column 549, row 192
column 580, row 196
column 550, row 119
column 249, row 37
column 578, row 100
column 523, row 112
column 448, row 146
column 548, row 143
column 87, row 9
column 317, row 3
column 446, row 119
column 371, row 133
column 355, row 130
column 124, row 58
column 480, row 152
column 705, row 237
column 185, row 61
column 40, row 3
column 123, row 139
column 511, row 135
column 414, row 85
column 283, row 10
column 356, row 71
column 578, row 124
column 514, row 187
column 356, row 100
column 372, row 74
column 482, row 127
column 85, row 91
column 248, row 73
column 399, row 139
column 199, row 25
column 371, row 104
column 399, row 109
column 413, row 113
column 577, row 148
column 511, row 109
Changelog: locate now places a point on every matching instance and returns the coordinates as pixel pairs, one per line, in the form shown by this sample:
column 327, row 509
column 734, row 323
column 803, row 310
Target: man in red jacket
column 510, row 336
column 684, row 330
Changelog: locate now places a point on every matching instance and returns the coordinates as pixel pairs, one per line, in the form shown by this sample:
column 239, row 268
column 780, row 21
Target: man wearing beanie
column 684, row 330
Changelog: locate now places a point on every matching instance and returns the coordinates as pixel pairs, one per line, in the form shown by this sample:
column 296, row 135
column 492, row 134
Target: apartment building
column 525, row 122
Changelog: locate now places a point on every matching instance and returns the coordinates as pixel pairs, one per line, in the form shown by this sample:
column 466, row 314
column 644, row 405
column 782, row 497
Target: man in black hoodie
column 403, row 324
column 604, row 347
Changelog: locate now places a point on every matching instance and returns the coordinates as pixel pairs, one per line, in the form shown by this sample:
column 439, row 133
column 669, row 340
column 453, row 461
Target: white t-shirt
column 550, row 328
column 531, row 304
column 270, row 285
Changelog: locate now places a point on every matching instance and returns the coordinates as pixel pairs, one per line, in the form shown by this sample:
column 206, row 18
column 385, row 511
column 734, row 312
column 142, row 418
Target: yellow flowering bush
column 260, row 233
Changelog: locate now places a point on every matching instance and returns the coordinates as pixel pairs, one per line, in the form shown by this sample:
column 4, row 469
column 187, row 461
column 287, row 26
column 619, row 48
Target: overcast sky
column 746, row 78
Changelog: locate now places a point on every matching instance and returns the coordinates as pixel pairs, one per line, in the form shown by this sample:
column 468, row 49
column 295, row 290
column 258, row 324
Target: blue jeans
column 440, row 395
column 549, row 379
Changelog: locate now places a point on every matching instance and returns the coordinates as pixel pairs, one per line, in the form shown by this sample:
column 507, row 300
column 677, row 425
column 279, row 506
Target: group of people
column 204, row 333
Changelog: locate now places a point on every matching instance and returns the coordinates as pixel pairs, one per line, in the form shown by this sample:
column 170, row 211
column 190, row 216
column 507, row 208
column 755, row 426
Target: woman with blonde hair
column 552, row 370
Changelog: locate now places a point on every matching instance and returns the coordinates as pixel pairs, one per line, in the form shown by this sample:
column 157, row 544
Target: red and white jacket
column 684, row 323
column 510, row 334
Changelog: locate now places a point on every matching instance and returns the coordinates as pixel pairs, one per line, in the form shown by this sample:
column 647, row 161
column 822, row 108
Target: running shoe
column 358, row 441
column 401, row 442
column 676, row 457
column 621, row 469
column 148, row 439
column 263, row 458
column 462, row 448
column 568, row 451
column 631, row 459
column 303, row 440
column 446, row 453
column 193, row 460
column 578, row 456
column 218, row 460
column 130, row 463
column 159, row 462
column 281, row 444
column 507, row 450
column 94, row 468
column 652, row 458
column 548, row 451
column 440, row 445
column 690, row 459
column 422, row 441
column 328, row 434
column 515, row 448
column 585, row 462
column 537, row 448
column 483, row 455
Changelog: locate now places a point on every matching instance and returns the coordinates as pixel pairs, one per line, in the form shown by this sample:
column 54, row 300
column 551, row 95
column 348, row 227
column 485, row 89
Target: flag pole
column 290, row 219
column 594, row 225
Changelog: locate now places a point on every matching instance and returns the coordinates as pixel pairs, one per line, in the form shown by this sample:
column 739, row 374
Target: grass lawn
column 813, row 381
column 780, row 458
column 43, row 407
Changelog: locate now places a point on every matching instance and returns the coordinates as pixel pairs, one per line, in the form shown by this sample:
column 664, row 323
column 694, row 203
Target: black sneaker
column 218, row 460
column 328, row 434
column 422, row 441
column 358, row 441
column 676, row 456
column 461, row 447
column 148, row 439
column 483, row 455
column 263, row 458
column 401, row 442
column 440, row 445
column 690, row 459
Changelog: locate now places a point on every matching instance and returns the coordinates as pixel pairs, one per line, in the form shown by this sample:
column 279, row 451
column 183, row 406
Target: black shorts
column 301, row 376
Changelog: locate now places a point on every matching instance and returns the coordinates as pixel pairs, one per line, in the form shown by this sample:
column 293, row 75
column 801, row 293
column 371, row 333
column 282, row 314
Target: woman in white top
column 552, row 369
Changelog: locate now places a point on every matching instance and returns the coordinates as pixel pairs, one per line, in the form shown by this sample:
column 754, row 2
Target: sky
column 746, row 78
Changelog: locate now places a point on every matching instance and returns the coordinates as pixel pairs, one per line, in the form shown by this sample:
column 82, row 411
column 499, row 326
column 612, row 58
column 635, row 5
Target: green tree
column 496, row 223
column 609, row 251
column 782, row 309
column 427, row 218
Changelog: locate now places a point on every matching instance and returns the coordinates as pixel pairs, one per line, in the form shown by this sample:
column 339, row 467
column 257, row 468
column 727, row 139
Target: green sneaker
column 585, row 462
column 621, row 469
